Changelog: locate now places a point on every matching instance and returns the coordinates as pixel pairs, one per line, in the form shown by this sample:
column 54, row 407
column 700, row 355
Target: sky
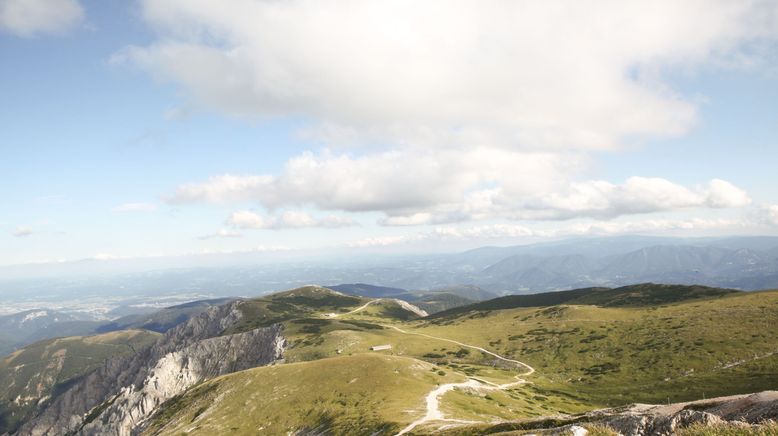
column 175, row 127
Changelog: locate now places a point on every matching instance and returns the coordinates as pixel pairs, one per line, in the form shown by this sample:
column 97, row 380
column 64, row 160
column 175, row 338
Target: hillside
column 434, row 302
column 360, row 394
column 634, row 295
column 43, row 369
column 366, row 290
column 584, row 356
column 431, row 301
column 119, row 395
column 23, row 328
column 164, row 319
column 559, row 354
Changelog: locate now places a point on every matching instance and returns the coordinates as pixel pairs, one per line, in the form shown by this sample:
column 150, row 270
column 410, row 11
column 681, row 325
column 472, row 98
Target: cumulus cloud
column 134, row 207
column 22, row 231
column 531, row 74
column 27, row 18
column 475, row 109
column 414, row 187
column 637, row 195
column 399, row 180
column 288, row 220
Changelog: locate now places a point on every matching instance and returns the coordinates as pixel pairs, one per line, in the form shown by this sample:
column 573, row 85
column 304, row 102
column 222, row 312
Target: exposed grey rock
column 662, row 420
column 118, row 397
column 651, row 420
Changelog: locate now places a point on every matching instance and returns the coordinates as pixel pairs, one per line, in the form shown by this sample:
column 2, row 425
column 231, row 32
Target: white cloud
column 27, row 18
column 135, row 207
column 222, row 233
column 476, row 109
column 499, row 72
column 22, row 231
column 721, row 193
column 400, row 180
column 637, row 195
column 288, row 220
column 413, row 187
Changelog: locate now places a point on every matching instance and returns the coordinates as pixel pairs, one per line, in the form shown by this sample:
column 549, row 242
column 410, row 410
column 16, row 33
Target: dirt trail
column 530, row 369
column 404, row 304
column 433, row 398
column 358, row 309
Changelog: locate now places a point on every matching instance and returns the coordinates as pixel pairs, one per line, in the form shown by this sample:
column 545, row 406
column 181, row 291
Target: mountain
column 747, row 263
column 121, row 395
column 662, row 344
column 164, row 319
column 26, row 327
column 743, row 268
column 470, row 292
column 31, row 375
column 433, row 302
column 118, row 396
column 315, row 361
column 649, row 294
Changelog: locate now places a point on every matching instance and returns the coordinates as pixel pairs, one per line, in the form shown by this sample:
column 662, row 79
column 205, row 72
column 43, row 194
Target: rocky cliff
column 117, row 398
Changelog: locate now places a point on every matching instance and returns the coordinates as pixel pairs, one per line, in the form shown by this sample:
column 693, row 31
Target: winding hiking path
column 404, row 304
column 530, row 369
column 433, row 398
column 358, row 309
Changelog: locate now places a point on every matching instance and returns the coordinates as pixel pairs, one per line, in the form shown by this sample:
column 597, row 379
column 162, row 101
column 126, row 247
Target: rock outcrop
column 119, row 397
column 664, row 420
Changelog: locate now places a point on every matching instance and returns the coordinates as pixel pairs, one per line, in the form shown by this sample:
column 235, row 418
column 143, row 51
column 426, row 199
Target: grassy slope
column 308, row 301
column 37, row 370
column 612, row 356
column 644, row 294
column 434, row 302
column 361, row 394
column 585, row 357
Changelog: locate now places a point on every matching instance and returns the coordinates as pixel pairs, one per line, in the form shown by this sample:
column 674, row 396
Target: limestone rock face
column 119, row 397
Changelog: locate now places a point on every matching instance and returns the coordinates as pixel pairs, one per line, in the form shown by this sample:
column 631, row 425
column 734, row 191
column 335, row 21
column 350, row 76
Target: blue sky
column 130, row 129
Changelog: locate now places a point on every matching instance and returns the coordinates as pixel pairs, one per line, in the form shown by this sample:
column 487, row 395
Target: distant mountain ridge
column 24, row 328
column 743, row 268
column 644, row 294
